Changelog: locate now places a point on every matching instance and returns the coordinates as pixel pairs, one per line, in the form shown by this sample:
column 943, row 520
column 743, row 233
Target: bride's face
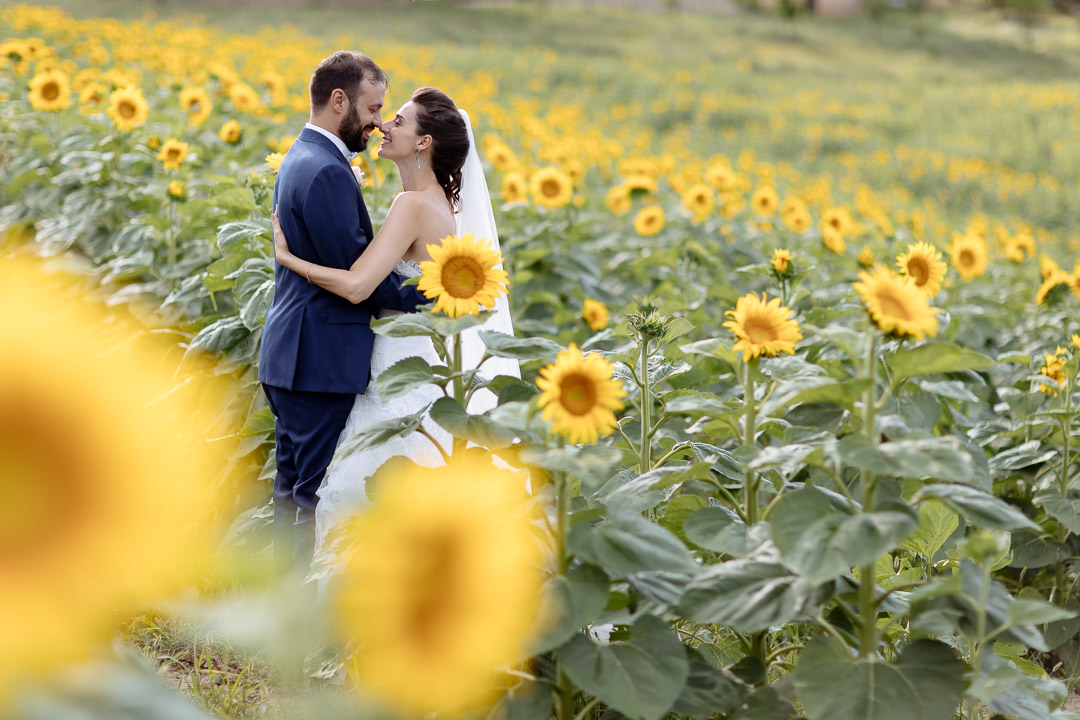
column 400, row 139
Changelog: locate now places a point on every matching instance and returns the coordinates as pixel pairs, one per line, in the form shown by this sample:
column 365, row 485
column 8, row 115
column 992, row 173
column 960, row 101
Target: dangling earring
column 417, row 158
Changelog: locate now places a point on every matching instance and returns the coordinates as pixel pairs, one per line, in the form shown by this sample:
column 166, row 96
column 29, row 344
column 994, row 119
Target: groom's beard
column 352, row 130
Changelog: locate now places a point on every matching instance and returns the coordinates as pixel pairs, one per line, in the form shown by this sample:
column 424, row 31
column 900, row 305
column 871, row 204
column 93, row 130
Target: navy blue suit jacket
column 314, row 340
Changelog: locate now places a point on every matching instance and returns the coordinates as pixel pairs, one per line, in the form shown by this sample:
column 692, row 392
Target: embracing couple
column 333, row 275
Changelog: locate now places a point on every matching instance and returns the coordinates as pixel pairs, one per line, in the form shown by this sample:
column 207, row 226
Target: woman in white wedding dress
column 445, row 193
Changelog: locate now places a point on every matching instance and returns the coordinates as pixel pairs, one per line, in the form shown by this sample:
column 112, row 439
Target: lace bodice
column 408, row 268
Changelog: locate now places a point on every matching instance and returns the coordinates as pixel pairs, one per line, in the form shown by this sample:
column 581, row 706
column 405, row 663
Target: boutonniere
column 361, row 179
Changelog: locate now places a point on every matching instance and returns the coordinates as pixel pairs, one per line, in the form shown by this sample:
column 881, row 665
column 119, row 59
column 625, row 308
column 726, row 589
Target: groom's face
column 363, row 116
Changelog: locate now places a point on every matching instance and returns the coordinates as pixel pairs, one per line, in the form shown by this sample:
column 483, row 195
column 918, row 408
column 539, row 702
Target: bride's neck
column 413, row 179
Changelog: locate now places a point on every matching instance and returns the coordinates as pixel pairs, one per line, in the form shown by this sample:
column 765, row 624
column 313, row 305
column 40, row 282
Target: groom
column 316, row 346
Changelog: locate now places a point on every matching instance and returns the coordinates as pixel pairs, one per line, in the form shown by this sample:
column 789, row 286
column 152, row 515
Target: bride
column 445, row 193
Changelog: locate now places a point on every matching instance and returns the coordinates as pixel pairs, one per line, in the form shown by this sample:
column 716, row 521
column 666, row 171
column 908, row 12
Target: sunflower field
column 796, row 306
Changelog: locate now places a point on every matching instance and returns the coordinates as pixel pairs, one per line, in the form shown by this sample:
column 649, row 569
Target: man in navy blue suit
column 316, row 346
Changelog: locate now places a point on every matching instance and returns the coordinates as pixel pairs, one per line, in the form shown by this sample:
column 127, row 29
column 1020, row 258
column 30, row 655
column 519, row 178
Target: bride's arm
column 376, row 262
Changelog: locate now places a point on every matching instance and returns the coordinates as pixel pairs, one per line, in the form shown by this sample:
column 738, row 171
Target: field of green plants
column 826, row 277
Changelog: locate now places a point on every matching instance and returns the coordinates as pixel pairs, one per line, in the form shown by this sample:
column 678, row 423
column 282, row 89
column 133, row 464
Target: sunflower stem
column 749, row 438
column 645, row 457
column 459, row 383
column 867, row 604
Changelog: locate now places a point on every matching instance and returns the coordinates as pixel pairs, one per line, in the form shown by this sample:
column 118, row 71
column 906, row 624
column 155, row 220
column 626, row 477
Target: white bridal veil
column 476, row 217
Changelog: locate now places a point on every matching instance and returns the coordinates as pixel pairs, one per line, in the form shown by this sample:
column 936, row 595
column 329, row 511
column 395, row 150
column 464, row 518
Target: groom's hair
column 345, row 69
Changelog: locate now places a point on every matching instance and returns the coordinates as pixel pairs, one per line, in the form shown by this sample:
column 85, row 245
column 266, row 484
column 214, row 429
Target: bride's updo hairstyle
column 438, row 116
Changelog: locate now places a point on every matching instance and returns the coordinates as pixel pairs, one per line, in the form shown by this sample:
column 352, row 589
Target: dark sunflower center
column 760, row 330
column 126, row 109
column 967, row 258
column 892, row 306
column 174, row 153
column 462, row 277
column 437, row 574
column 918, row 270
column 550, row 188
column 50, row 91
column 577, row 394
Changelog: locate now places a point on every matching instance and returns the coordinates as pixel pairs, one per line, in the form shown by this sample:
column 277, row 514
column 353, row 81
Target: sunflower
column 501, row 157
column 798, row 221
column 462, row 276
column 764, row 327
column 896, row 305
column 618, row 200
column 781, row 261
column 50, row 91
column 514, row 188
column 1053, row 368
column 1054, row 288
column 244, row 98
column 127, row 108
column 84, row 532
column 699, row 200
column 649, row 220
column 722, row 177
column 551, row 187
column 833, row 240
column 838, row 220
column 640, row 183
column 442, row 585
column 968, row 252
column 176, row 189
column 173, row 153
column 1047, row 266
column 923, row 264
column 1075, row 340
column 595, row 314
column 580, row 396
column 230, row 132
column 287, row 142
column 92, row 98
column 764, row 201
column 196, row 103
column 274, row 160
column 866, row 257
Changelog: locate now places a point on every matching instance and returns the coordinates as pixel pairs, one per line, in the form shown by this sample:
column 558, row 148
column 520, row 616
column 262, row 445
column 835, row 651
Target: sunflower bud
column 648, row 322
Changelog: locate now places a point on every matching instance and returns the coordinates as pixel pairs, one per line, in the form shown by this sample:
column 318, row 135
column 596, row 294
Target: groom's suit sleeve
column 332, row 215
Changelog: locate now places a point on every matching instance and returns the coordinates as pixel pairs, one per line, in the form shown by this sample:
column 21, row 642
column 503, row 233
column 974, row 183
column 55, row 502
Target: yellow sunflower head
column 230, row 132
column 618, row 200
column 923, row 264
column 968, row 253
column 176, row 189
column 1053, row 368
column 244, row 98
column 699, row 200
column 1053, row 289
column 722, row 177
column 442, row 585
column 896, row 305
column 781, row 261
column 764, row 201
column 580, row 396
column 274, row 160
column 798, row 221
column 595, row 314
column 833, row 240
column 50, row 91
column 838, row 220
column 196, row 103
column 649, row 220
column 462, row 276
column 127, row 108
column 105, row 467
column 173, row 153
column 551, row 187
column 514, row 188
column 763, row 327
column 866, row 257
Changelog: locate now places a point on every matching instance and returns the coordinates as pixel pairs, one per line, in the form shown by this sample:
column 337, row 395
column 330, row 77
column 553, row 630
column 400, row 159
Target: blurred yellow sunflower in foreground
column 896, row 305
column 923, row 264
column 1053, row 368
column 551, row 187
column 50, row 91
column 514, row 188
column 105, row 469
column 580, row 396
column 763, row 326
column 968, row 254
column 127, row 108
column 274, row 160
column 442, row 585
column 230, row 132
column 462, row 276
column 1054, row 288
